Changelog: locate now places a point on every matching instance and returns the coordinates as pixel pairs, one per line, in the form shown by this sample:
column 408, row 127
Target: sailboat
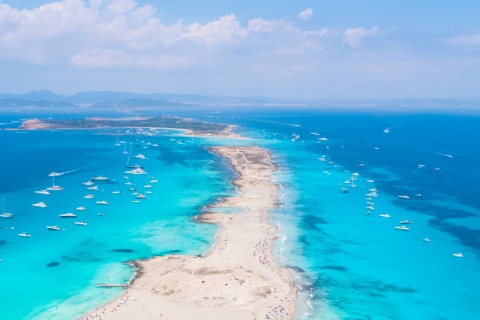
column 117, row 144
column 5, row 214
column 54, row 187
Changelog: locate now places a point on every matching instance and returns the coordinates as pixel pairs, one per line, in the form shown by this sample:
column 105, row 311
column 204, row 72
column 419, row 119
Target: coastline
column 239, row 278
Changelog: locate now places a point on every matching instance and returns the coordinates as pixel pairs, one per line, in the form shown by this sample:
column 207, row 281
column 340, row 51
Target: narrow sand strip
column 238, row 279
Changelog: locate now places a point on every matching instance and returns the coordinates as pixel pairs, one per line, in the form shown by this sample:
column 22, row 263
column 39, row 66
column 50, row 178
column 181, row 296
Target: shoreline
column 238, row 278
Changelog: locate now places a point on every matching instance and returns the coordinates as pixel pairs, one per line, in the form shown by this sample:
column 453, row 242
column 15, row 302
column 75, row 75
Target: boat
column 44, row 191
column 53, row 228
column 80, row 223
column 132, row 189
column 88, row 183
column 406, row 222
column 128, row 183
column 117, row 144
column 153, row 180
column 426, row 239
column 136, row 171
column 458, row 255
column 402, row 228
column 141, row 196
column 370, row 203
column 89, row 196
column 81, row 208
column 419, row 195
column 67, row 215
column 372, row 189
column 370, row 208
column 404, row 197
column 101, row 214
column 102, row 202
column 134, row 166
column 139, row 156
column 39, row 205
column 147, row 186
column 116, row 192
column 24, row 234
column 100, row 178
column 5, row 214
column 94, row 188
column 148, row 191
column 136, row 201
column 384, row 215
column 54, row 187
column 370, row 181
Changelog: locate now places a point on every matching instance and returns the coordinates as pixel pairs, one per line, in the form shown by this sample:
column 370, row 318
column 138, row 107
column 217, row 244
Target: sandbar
column 239, row 278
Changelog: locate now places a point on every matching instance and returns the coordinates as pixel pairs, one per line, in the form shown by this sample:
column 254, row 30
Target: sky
column 298, row 49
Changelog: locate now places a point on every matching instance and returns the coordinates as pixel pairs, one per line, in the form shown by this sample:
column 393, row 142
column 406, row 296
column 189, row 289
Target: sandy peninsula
column 238, row 279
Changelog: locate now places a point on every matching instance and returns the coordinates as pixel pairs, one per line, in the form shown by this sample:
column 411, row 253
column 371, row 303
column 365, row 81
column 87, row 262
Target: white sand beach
column 238, row 279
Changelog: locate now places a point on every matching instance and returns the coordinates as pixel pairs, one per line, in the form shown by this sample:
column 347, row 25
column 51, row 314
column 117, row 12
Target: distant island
column 192, row 126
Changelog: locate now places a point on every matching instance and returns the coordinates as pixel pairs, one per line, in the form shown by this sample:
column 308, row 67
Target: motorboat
column 100, row 178
column 102, row 202
column 44, row 191
column 68, row 215
column 136, row 171
column 153, row 180
column 426, row 239
column 370, row 208
column 89, row 196
column 148, row 191
column 384, row 215
column 94, row 188
column 116, row 192
column 141, row 196
column 406, row 222
column 370, row 203
column 88, row 183
column 132, row 189
column 458, row 255
column 147, row 186
column 39, row 205
column 402, row 228
column 55, row 188
column 101, row 214
column 81, row 208
column 25, row 235
column 139, row 156
column 403, row 197
column 344, row 190
column 136, row 201
column 53, row 228
column 80, row 223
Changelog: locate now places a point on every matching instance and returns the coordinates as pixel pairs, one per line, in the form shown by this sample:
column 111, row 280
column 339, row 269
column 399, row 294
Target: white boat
column 426, row 239
column 88, row 183
column 402, row 228
column 39, row 205
column 80, row 223
column 128, row 183
column 117, row 144
column 5, row 214
column 419, row 195
column 370, row 203
column 384, row 215
column 24, row 234
column 44, row 191
column 53, row 228
column 100, row 178
column 458, row 255
column 373, row 190
column 136, row 201
column 139, row 156
column 147, row 186
column 94, row 188
column 101, row 214
column 89, row 196
column 370, row 181
column 141, row 196
column 67, row 215
column 54, row 187
column 148, row 191
column 344, row 190
column 116, row 192
column 404, row 197
column 136, row 171
column 406, row 222
column 370, row 208
column 153, row 180
column 102, row 202
column 81, row 208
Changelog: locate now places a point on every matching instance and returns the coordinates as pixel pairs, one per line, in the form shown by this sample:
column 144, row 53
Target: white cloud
column 354, row 36
column 226, row 29
column 319, row 33
column 306, row 14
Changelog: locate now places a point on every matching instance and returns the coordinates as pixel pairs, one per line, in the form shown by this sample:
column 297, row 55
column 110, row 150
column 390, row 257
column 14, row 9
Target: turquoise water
column 350, row 265
column 82, row 256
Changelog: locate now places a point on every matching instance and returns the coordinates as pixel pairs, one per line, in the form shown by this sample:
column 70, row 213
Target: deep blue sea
column 351, row 262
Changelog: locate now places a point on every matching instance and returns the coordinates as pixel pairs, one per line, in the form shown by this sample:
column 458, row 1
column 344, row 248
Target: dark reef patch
column 52, row 264
column 123, row 250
